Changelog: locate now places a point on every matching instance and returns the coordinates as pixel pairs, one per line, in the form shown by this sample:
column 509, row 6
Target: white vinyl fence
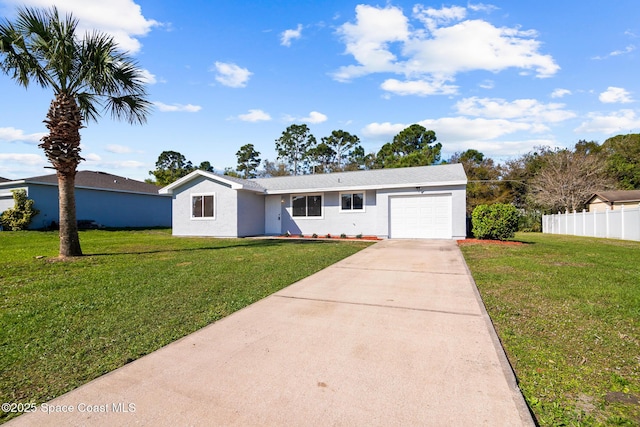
column 612, row 224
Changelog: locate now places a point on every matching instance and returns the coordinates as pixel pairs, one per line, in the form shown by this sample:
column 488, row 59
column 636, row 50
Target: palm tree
column 86, row 74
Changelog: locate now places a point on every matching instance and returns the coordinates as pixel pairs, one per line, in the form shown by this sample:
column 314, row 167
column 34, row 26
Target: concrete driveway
column 395, row 335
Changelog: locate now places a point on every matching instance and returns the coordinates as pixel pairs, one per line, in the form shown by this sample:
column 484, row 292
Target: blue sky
column 500, row 77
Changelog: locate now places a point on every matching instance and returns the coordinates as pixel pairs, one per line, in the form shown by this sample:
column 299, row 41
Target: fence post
column 584, row 222
column 622, row 222
column 606, row 216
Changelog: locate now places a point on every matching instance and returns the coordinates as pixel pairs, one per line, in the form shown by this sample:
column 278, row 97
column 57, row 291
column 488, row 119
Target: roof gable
column 232, row 182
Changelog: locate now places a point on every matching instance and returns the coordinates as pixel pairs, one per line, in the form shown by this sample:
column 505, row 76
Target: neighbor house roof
column 4, row 179
column 422, row 176
column 96, row 181
column 618, row 196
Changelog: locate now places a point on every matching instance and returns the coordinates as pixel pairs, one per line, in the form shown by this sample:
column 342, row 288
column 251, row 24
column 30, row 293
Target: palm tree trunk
column 69, row 239
column 62, row 147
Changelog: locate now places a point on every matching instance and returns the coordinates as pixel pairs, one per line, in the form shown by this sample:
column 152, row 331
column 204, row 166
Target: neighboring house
column 109, row 200
column 612, row 200
column 4, row 179
column 418, row 202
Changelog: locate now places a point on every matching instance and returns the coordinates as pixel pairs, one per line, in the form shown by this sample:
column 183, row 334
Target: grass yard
column 63, row 324
column 567, row 310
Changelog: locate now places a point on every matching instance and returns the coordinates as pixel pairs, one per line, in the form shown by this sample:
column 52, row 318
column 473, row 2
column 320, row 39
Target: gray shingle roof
column 4, row 179
column 378, row 178
column 422, row 176
column 100, row 181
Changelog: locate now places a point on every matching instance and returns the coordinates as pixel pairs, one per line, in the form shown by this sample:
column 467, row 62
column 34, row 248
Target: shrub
column 19, row 217
column 496, row 222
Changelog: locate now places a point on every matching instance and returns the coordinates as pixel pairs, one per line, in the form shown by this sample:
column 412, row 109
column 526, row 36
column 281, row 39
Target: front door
column 273, row 216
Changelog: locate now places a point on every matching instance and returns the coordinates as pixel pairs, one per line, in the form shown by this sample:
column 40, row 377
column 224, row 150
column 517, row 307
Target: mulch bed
column 489, row 242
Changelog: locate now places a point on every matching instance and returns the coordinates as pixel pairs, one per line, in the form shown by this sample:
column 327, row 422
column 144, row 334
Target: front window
column 309, row 206
column 352, row 201
column 202, row 206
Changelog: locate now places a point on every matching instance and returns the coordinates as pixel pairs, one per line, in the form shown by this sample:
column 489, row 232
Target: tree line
column 544, row 180
column 299, row 152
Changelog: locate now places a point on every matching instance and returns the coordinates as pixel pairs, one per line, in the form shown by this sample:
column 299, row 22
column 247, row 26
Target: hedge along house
column 418, row 202
column 109, row 200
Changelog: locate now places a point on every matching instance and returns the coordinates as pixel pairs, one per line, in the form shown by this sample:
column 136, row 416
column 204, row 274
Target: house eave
column 367, row 187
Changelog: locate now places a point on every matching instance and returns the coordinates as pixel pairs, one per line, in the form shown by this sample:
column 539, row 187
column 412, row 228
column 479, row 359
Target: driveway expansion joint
column 366, row 304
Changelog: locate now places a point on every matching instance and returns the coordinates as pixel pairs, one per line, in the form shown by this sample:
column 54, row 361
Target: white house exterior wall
column 225, row 222
column 250, row 214
column 333, row 220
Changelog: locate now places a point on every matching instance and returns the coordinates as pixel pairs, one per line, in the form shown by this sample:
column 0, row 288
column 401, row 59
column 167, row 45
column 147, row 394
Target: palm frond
column 133, row 109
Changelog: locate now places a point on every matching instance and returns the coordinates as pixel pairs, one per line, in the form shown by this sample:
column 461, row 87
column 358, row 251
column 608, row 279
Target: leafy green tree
column 171, row 166
column 322, row 158
column 623, row 160
column 230, row 172
column 293, row 146
column 86, row 73
column 272, row 169
column 205, row 166
column 19, row 217
column 484, row 186
column 413, row 146
column 342, row 144
column 248, row 160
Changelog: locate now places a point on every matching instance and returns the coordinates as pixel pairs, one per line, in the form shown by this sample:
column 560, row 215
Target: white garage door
column 420, row 217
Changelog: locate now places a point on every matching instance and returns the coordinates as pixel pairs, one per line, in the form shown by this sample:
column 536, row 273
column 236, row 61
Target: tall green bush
column 19, row 217
column 496, row 222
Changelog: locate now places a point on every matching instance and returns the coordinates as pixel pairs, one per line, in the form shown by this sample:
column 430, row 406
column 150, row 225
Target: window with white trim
column 352, row 202
column 306, row 205
column 203, row 206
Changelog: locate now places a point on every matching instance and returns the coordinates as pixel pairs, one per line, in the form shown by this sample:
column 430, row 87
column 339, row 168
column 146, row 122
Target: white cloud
column 381, row 40
column 528, row 110
column 418, row 87
column 314, row 117
column 481, row 7
column 118, row 149
column 166, row 108
column 559, row 93
column 255, row 116
column 487, row 84
column 122, row 19
column 11, row 134
column 433, row 18
column 367, row 40
column 25, row 159
column 626, row 50
column 148, row 78
column 232, row 75
column 288, row 35
column 21, row 165
column 622, row 121
column 615, row 95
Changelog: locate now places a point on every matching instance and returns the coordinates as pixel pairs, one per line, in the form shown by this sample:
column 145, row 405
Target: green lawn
column 65, row 323
column 567, row 310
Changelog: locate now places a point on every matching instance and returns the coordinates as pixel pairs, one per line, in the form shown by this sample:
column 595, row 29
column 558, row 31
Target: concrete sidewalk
column 395, row 335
